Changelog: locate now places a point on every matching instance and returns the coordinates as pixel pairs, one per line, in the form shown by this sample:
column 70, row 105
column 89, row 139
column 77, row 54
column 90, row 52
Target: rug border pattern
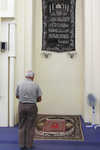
column 76, row 131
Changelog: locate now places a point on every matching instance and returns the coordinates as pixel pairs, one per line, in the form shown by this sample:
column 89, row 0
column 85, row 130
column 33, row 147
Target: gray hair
column 29, row 73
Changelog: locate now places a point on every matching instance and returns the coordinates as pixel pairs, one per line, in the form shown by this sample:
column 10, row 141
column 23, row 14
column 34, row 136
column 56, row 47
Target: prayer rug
column 58, row 127
column 51, row 126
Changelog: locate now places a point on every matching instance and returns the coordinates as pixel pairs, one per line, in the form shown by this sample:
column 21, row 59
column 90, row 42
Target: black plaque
column 58, row 33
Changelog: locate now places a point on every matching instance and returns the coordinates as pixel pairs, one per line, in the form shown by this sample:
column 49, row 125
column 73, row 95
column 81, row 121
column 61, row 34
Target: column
column 96, row 55
column 12, row 56
column 88, row 57
column 0, row 58
column 29, row 34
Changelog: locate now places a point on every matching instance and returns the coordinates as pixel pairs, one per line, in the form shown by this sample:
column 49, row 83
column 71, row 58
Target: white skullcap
column 29, row 73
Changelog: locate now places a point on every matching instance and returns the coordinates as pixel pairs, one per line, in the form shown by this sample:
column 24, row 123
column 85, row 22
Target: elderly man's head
column 29, row 74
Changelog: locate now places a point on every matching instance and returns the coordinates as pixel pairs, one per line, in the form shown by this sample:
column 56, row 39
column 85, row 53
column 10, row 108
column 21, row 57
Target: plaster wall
column 91, row 57
column 4, row 79
column 65, row 81
column 25, row 56
column 59, row 76
column 7, row 61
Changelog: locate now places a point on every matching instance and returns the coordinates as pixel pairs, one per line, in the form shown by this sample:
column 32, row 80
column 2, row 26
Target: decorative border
column 72, row 133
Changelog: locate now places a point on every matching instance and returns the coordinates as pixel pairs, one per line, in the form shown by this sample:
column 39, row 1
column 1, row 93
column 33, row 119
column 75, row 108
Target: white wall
column 0, row 57
column 59, row 76
column 91, row 48
column 4, row 78
column 65, row 82
column 25, row 42
column 7, row 19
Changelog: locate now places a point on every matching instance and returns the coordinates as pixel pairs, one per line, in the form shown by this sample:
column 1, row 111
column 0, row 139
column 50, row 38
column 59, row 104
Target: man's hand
column 39, row 99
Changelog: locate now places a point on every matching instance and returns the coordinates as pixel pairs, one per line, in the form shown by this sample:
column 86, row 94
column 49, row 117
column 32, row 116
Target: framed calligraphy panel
column 58, row 33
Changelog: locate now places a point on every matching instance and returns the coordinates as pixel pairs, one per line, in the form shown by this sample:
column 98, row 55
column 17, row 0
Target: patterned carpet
column 58, row 127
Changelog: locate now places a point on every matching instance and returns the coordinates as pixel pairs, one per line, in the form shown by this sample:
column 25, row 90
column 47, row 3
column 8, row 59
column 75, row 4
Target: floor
column 9, row 140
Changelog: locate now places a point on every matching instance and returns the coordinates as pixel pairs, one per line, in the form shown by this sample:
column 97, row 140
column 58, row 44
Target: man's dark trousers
column 27, row 121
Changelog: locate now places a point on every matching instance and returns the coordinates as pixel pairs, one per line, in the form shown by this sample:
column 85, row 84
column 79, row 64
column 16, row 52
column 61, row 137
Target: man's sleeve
column 39, row 92
column 17, row 91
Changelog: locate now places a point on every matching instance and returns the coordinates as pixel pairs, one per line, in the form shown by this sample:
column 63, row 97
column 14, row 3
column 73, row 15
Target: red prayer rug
column 54, row 126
